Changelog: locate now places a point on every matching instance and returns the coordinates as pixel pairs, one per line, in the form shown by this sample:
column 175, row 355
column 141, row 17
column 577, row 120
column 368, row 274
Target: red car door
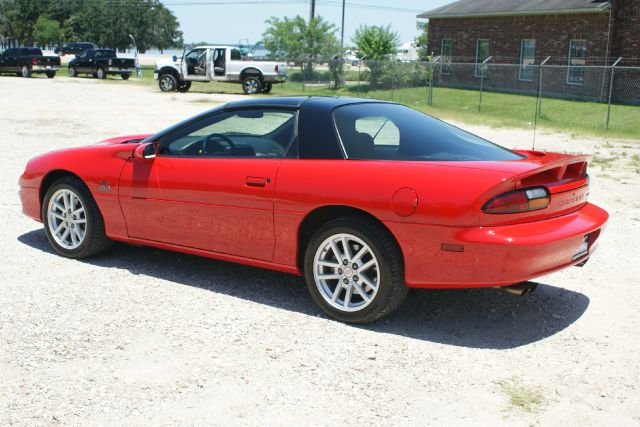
column 207, row 189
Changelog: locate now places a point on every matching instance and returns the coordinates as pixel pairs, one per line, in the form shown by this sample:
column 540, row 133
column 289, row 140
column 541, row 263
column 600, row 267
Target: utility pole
column 342, row 27
column 312, row 10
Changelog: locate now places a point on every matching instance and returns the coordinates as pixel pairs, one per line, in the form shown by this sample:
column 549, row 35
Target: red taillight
column 277, row 68
column 526, row 200
column 34, row 61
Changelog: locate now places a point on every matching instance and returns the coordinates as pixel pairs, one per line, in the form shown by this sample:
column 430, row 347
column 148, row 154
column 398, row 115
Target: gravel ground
column 144, row 336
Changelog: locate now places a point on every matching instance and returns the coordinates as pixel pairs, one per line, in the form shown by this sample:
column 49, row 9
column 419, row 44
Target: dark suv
column 74, row 48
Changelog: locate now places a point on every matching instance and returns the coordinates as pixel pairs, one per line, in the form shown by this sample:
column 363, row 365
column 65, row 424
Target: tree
column 376, row 45
column 301, row 42
column 105, row 22
column 46, row 32
column 422, row 41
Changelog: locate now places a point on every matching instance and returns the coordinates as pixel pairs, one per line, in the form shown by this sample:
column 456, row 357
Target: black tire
column 73, row 72
column 184, row 87
column 125, row 76
column 50, row 74
column 167, row 83
column 101, row 74
column 391, row 290
column 251, row 85
column 25, row 71
column 95, row 239
column 267, row 88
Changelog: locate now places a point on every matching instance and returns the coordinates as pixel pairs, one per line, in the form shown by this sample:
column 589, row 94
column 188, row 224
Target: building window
column 577, row 62
column 445, row 56
column 482, row 53
column 527, row 59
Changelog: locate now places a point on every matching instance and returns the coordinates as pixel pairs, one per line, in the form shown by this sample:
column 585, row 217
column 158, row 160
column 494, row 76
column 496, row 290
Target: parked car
column 100, row 63
column 218, row 63
column 24, row 61
column 74, row 48
column 365, row 198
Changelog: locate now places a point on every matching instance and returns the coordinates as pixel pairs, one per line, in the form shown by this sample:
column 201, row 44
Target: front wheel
column 50, row 74
column 101, row 74
column 167, row 83
column 72, row 221
column 354, row 270
column 25, row 71
column 184, row 87
column 125, row 76
column 251, row 85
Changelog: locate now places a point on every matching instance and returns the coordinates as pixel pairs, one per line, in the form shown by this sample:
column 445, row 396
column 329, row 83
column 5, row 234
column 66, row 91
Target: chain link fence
column 611, row 94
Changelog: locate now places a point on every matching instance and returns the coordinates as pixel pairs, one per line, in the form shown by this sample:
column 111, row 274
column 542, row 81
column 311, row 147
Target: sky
column 228, row 21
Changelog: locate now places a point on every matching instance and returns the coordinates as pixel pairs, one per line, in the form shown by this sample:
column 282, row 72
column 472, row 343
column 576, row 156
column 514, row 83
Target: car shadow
column 475, row 318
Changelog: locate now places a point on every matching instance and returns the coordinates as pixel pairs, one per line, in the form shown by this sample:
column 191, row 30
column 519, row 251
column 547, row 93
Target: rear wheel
column 125, row 76
column 50, row 74
column 267, row 88
column 101, row 74
column 184, row 87
column 25, row 71
column 72, row 221
column 354, row 270
column 251, row 85
column 73, row 72
column 167, row 83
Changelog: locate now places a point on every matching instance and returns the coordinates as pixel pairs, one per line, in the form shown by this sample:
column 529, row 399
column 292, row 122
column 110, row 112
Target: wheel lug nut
column 355, row 278
column 354, row 266
column 346, row 281
column 345, row 262
column 339, row 271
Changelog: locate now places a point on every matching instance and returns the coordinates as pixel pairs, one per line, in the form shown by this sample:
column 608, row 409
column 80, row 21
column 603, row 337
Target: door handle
column 257, row 181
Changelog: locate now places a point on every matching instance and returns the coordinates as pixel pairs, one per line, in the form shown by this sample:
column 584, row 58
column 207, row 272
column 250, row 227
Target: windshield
column 395, row 132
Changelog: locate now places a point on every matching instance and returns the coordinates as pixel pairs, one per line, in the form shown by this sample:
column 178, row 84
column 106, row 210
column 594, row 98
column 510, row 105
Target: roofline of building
column 598, row 9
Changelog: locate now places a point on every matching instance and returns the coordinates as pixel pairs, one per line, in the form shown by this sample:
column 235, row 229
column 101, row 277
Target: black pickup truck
column 24, row 61
column 100, row 63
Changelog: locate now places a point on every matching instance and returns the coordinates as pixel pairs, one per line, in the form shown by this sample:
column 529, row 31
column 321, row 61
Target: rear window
column 395, row 132
column 105, row 54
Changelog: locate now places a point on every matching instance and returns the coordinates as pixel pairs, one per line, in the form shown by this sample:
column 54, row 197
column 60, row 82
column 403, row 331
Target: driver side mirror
column 146, row 151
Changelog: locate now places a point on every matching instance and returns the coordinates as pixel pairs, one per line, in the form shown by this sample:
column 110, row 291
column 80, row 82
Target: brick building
column 578, row 36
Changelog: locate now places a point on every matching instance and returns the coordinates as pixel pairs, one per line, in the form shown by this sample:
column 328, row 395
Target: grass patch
column 528, row 399
column 498, row 109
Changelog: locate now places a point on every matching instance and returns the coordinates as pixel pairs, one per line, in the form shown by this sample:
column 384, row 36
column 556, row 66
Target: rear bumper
column 118, row 70
column 44, row 68
column 497, row 256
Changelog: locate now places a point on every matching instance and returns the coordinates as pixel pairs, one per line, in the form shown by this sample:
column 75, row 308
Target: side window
column 195, row 54
column 381, row 130
column 235, row 55
column 245, row 133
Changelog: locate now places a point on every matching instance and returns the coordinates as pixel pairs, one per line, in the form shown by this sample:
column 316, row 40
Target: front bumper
column 497, row 256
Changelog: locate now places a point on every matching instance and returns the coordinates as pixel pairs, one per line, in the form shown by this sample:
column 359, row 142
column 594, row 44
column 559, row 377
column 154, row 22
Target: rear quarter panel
column 446, row 195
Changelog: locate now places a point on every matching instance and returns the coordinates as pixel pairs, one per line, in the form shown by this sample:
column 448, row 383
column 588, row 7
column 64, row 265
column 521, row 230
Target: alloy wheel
column 346, row 272
column 67, row 219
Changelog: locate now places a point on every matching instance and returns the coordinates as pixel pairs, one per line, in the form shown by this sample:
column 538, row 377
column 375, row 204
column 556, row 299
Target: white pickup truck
column 217, row 63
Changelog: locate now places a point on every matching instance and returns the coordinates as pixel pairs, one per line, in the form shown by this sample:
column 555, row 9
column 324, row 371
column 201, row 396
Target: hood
column 129, row 139
column 168, row 62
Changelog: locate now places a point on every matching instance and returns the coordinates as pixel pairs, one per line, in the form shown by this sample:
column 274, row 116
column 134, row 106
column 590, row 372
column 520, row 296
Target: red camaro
column 364, row 198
